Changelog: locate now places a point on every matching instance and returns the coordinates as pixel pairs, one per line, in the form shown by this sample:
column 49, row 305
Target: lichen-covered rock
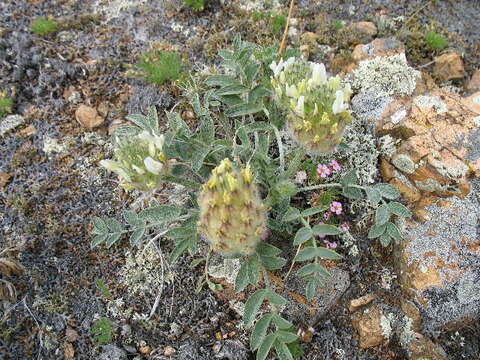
column 474, row 83
column 365, row 30
column 438, row 263
column 440, row 145
column 378, row 47
column 232, row 216
column 373, row 327
column 383, row 76
column 448, row 66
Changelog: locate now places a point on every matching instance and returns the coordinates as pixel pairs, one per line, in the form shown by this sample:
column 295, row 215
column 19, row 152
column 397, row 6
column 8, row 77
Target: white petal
column 138, row 170
column 109, row 164
column 159, row 141
column 155, row 167
column 300, row 109
column 338, row 106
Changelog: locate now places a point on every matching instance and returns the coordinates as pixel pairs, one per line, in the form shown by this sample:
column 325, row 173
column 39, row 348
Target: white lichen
column 430, row 101
column 386, row 76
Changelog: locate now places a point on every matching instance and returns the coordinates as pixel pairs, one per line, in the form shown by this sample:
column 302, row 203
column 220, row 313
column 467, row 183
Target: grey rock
column 445, row 248
column 10, row 122
column 112, row 352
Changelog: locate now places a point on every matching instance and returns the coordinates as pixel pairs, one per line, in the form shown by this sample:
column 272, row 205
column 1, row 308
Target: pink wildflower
column 323, row 170
column 330, row 245
column 336, row 207
column 326, row 216
column 345, row 226
column 335, row 165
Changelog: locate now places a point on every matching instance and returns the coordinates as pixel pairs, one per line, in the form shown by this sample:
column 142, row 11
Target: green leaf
column 313, row 268
column 399, row 209
column 199, row 156
column 114, row 225
column 313, row 210
column 253, row 271
column 286, row 336
column 385, row 239
column 325, row 253
column 382, row 215
column 306, row 254
column 231, row 90
column 98, row 239
column 140, row 121
column 275, row 299
column 242, row 279
column 283, row 351
column 350, row 178
column 136, row 236
column 257, row 94
column 376, row 231
column 161, row 214
column 303, row 234
column 394, row 232
column 222, row 80
column 388, row 191
column 260, row 331
column 266, row 346
column 352, row 193
column 324, row 229
column 281, row 323
column 311, row 289
column 252, row 306
column 373, row 195
column 251, row 70
column 266, row 249
column 126, row 131
column 179, row 248
column 112, row 239
column 273, row 262
column 244, row 109
column 291, row 214
column 99, row 226
column 181, row 232
column 131, row 217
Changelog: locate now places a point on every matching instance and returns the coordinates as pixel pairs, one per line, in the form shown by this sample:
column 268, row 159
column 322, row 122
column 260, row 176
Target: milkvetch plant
column 239, row 178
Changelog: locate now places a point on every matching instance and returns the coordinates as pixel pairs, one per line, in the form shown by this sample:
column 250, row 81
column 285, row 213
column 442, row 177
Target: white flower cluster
column 140, row 161
column 317, row 105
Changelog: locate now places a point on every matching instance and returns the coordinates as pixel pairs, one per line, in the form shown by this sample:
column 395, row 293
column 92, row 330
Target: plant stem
column 283, row 44
column 320, row 186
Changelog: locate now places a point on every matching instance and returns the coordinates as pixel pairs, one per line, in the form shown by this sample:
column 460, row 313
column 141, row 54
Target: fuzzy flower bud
column 316, row 106
column 232, row 216
column 140, row 161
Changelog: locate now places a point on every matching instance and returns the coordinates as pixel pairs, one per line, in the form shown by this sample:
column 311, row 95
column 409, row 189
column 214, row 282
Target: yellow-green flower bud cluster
column 139, row 161
column 316, row 105
column 232, row 216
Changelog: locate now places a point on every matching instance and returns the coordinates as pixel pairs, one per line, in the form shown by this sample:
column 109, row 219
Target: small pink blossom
column 335, row 165
column 326, row 216
column 336, row 207
column 330, row 245
column 323, row 170
column 345, row 226
column 321, row 236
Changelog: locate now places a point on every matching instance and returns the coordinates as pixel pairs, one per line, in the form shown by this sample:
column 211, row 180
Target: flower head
column 330, row 245
column 323, row 170
column 336, row 207
column 326, row 216
column 335, row 165
column 345, row 226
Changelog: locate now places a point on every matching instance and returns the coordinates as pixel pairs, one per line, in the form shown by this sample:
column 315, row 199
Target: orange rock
column 421, row 348
column 474, row 83
column 88, row 117
column 378, row 47
column 4, row 179
column 29, row 130
column 365, row 28
column 168, row 351
column 473, row 102
column 369, row 327
column 448, row 66
column 68, row 351
column 361, row 301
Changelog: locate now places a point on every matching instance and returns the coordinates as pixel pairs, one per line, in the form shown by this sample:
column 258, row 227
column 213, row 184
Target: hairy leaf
column 388, row 191
column 399, row 209
column 252, row 306
column 382, row 215
column 303, row 234
column 260, row 331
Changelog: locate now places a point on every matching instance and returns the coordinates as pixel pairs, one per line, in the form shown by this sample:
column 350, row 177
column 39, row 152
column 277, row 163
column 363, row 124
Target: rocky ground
column 71, row 88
